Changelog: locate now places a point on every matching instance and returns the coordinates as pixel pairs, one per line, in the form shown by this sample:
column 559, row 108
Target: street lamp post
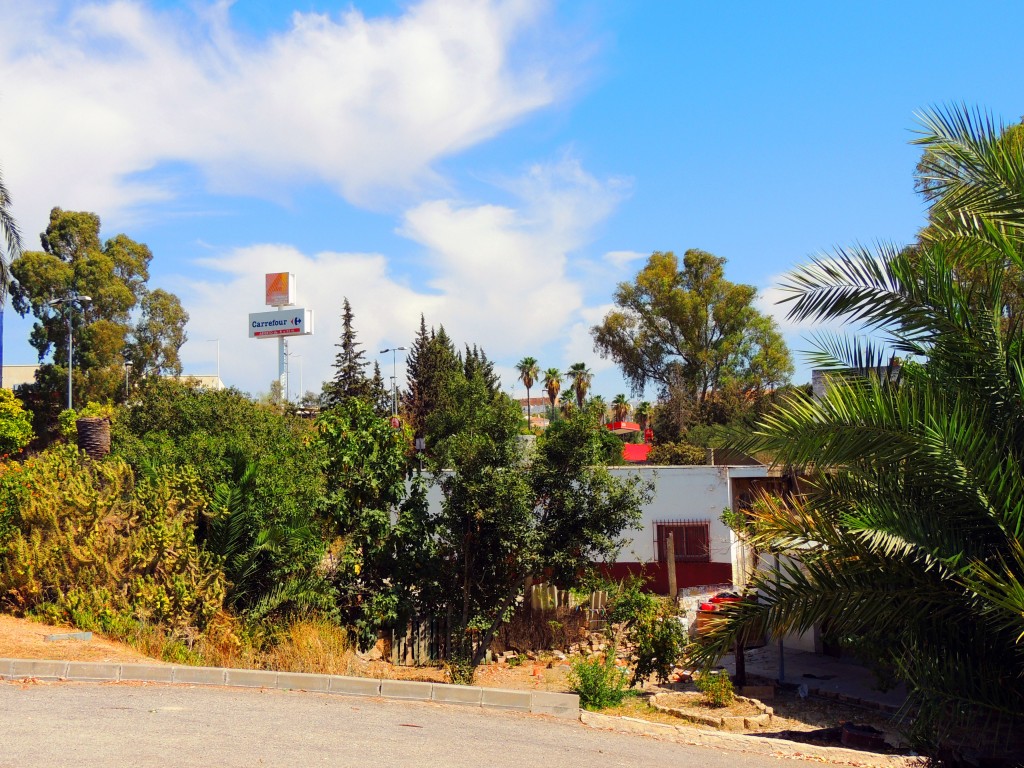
column 394, row 373
column 69, row 303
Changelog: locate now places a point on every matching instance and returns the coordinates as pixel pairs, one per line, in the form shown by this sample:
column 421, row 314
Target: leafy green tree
column 691, row 330
column 503, row 519
column 349, row 366
column 158, row 336
column 364, row 463
column 907, row 538
column 529, row 372
column 114, row 275
column 15, row 424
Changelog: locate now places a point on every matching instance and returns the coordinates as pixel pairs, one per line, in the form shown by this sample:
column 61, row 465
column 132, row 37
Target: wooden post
column 670, row 556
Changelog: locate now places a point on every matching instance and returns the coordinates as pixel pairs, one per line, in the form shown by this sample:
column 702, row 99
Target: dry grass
column 318, row 646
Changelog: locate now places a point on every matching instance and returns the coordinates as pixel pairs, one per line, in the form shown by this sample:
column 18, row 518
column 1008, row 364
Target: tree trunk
column 741, row 664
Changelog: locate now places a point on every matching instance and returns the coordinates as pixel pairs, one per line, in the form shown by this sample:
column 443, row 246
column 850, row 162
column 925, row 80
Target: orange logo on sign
column 277, row 289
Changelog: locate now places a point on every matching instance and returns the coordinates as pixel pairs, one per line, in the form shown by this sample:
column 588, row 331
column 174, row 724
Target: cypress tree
column 349, row 366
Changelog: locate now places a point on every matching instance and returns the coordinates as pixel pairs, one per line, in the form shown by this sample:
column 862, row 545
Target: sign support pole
column 282, row 364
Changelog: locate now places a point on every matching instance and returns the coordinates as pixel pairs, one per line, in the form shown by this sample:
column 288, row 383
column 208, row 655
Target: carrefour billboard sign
column 289, row 322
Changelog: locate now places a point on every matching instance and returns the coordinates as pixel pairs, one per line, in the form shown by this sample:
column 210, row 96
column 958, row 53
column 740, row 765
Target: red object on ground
column 708, row 607
column 635, row 451
column 720, row 600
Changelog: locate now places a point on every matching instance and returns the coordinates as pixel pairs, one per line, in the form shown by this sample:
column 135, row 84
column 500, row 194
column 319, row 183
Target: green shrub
column 15, row 423
column 460, row 669
column 599, row 682
column 659, row 641
column 259, row 470
column 677, row 453
column 67, row 421
column 717, row 689
column 87, row 542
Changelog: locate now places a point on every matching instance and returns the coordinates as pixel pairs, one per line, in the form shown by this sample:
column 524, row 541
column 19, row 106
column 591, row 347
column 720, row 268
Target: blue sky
column 496, row 166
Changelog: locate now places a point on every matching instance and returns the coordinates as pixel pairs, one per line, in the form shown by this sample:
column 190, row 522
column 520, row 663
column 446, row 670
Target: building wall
column 680, row 493
column 683, row 493
column 16, row 375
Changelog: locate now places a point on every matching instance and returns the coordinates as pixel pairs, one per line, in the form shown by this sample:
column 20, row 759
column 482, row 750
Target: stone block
column 300, row 681
column 443, row 693
column 6, row 668
column 760, row 721
column 83, row 637
column 252, row 678
column 44, row 670
column 198, row 675
column 565, row 705
column 733, row 723
column 498, row 698
column 354, row 686
column 154, row 673
column 81, row 670
column 405, row 689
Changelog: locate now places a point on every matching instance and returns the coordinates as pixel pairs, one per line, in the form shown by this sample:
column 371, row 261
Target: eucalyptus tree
column 688, row 330
column 123, row 320
column 907, row 534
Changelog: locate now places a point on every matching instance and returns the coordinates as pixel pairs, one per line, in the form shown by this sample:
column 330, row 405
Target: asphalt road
column 82, row 724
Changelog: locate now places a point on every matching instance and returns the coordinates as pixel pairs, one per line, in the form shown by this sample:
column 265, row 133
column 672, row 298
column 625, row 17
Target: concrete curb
column 563, row 705
column 736, row 742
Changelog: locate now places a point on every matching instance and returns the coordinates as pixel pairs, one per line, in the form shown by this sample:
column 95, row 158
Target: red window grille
column 691, row 540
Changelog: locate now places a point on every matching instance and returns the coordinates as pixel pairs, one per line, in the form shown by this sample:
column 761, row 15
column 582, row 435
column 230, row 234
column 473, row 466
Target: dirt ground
column 24, row 639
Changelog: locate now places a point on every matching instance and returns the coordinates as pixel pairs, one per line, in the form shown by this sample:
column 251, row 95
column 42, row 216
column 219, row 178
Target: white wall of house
column 685, row 493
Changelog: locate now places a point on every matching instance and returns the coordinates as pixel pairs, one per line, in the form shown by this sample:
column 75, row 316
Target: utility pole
column 68, row 304
column 394, row 373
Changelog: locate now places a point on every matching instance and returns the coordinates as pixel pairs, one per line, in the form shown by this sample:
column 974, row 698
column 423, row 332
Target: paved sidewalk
column 823, row 675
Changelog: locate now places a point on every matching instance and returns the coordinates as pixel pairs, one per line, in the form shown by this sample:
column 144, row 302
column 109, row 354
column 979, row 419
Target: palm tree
column 528, row 373
column 553, row 384
column 599, row 408
column 620, row 408
column 909, row 532
column 643, row 415
column 567, row 402
column 581, row 378
column 12, row 237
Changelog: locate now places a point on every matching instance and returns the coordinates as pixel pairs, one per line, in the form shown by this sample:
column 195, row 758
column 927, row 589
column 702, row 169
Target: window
column 691, row 540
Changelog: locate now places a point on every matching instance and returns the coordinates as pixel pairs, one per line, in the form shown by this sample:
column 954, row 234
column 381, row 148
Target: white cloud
column 497, row 276
column 93, row 97
column 622, row 259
